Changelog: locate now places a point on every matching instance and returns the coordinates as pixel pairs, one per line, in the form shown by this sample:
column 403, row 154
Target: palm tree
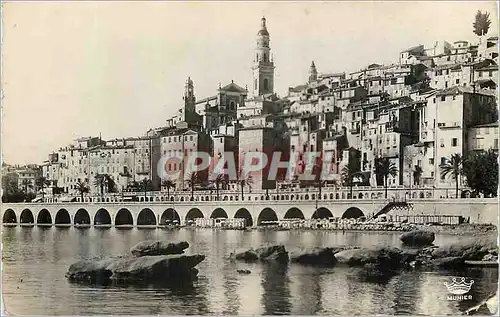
column 417, row 173
column 145, row 185
column 454, row 167
column 384, row 169
column 347, row 175
column 221, row 179
column 167, row 183
column 82, row 188
column 192, row 180
column 100, row 181
column 42, row 182
column 245, row 180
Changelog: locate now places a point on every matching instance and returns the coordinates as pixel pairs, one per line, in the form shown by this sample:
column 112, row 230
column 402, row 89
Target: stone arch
column 146, row 218
column 44, row 217
column 294, row 213
column 267, row 214
column 63, row 217
column 337, row 196
column 244, row 213
column 102, row 217
column 414, row 195
column 81, row 217
column 373, row 196
column 218, row 213
column 193, row 214
column 170, row 216
column 322, row 213
column 9, row 216
column 124, row 217
column 352, row 213
column 360, row 195
column 421, row 195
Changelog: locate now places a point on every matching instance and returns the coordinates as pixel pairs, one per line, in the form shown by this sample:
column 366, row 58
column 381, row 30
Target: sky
column 72, row 69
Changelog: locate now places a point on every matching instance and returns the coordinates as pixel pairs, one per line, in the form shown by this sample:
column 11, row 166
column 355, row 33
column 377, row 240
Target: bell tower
column 263, row 65
column 189, row 98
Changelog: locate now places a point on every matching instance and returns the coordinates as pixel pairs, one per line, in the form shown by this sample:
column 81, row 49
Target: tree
column 82, row 188
column 385, row 168
column 221, row 179
column 245, row 179
column 100, row 181
column 453, row 167
column 417, row 173
column 26, row 184
column 42, row 182
column 110, row 184
column 146, row 185
column 347, row 175
column 482, row 23
column 167, row 183
column 192, row 180
column 481, row 172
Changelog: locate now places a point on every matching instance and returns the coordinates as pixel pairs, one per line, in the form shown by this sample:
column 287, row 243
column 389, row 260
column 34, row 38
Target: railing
column 328, row 193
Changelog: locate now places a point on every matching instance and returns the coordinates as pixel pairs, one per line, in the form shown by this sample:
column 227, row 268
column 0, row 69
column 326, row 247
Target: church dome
column 263, row 28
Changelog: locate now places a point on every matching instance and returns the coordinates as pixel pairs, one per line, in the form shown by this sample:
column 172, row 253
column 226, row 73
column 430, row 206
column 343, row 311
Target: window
column 490, row 73
column 480, row 74
column 169, row 140
column 495, row 144
column 454, row 142
column 293, row 148
column 266, row 84
column 443, row 98
column 431, row 161
column 457, row 81
column 434, row 100
column 441, row 142
column 255, row 85
column 443, row 161
column 191, row 138
column 265, row 57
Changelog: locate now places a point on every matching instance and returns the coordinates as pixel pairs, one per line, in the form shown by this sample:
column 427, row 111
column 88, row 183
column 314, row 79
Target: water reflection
column 41, row 256
column 276, row 292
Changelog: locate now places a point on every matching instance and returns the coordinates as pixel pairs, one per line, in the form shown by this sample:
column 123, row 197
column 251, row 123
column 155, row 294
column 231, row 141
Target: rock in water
column 247, row 256
column 474, row 249
column 317, row 257
column 151, row 247
column 383, row 256
column 275, row 253
column 129, row 269
column 161, row 267
column 448, row 262
column 417, row 238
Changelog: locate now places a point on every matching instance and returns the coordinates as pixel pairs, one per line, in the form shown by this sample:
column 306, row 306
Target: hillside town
column 416, row 114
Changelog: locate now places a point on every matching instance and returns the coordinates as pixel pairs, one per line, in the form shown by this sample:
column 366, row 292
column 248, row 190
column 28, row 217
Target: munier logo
column 459, row 287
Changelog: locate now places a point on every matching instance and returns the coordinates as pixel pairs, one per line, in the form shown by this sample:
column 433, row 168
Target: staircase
column 393, row 205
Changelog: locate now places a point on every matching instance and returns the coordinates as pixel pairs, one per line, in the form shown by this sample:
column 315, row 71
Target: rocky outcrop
column 151, row 247
column 129, row 269
column 316, row 257
column 383, row 256
column 417, row 238
column 451, row 262
column 274, row 253
column 474, row 249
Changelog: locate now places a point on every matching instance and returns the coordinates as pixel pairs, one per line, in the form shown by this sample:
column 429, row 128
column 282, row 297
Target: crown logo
column 458, row 286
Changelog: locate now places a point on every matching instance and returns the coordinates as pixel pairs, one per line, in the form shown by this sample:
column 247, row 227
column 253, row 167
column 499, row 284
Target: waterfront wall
column 478, row 210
